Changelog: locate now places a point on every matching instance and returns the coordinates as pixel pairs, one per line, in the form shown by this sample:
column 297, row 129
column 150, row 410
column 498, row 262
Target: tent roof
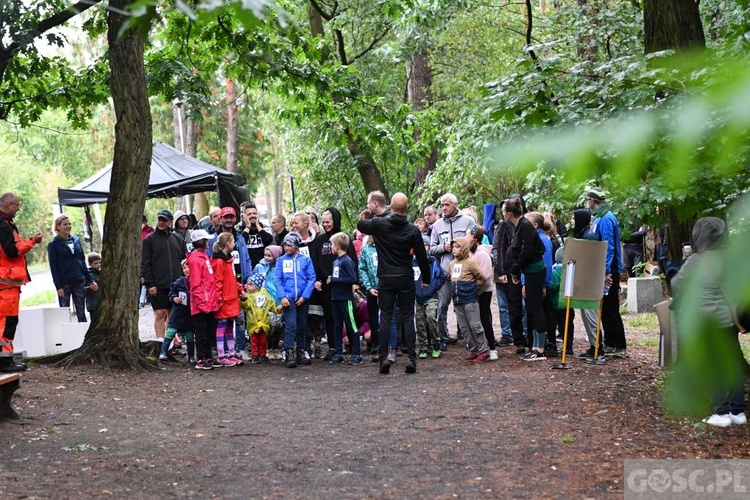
column 172, row 174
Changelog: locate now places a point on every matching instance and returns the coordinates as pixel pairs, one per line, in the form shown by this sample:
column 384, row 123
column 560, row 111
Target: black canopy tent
column 173, row 174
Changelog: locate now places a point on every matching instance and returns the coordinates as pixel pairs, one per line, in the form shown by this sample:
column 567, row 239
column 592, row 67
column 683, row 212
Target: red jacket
column 227, row 288
column 201, row 285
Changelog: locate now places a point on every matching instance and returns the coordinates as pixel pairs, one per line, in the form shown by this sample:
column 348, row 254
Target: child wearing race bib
column 426, row 298
column 259, row 305
column 466, row 279
column 343, row 277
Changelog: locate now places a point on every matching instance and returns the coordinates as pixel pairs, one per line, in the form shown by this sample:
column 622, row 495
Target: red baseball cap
column 228, row 211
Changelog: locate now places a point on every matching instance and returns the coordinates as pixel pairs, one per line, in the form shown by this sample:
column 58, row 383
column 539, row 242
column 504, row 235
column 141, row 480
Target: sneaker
column 452, row 340
column 244, row 356
column 214, row 362
column 191, row 361
column 436, row 353
column 469, row 357
column 482, row 357
column 256, row 360
column 329, row 354
column 423, row 354
column 391, row 356
column 411, row 367
column 534, row 355
column 238, row 360
column 227, row 361
column 385, row 367
column 505, row 341
column 374, row 357
column 443, row 346
column 718, row 420
column 203, row 364
column 550, row 352
column 588, row 353
column 520, row 351
column 738, row 419
column 568, row 352
column 356, row 359
column 317, row 351
column 399, row 353
column 289, row 359
column 493, row 355
column 264, row 360
column 163, row 357
column 615, row 352
column 303, row 357
column 336, row 359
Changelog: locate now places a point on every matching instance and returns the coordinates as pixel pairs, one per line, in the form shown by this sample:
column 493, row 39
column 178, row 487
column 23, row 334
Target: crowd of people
column 289, row 290
column 389, row 285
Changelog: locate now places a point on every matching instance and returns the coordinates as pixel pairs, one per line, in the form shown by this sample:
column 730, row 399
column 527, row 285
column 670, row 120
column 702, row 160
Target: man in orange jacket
column 13, row 274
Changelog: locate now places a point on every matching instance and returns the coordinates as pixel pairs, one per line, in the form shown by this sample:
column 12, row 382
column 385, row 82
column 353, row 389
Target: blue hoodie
column 606, row 229
column 430, row 292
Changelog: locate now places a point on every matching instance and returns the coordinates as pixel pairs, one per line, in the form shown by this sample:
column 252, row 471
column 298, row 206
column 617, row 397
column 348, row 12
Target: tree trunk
column 366, row 166
column 587, row 48
column 678, row 232
column 112, row 341
column 200, row 203
column 232, row 126
column 419, row 93
column 672, row 24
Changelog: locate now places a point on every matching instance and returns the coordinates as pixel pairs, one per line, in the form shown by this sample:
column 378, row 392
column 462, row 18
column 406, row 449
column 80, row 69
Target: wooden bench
column 9, row 383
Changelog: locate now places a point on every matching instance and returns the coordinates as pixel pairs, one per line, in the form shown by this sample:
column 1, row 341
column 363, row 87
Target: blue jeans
column 502, row 306
column 295, row 325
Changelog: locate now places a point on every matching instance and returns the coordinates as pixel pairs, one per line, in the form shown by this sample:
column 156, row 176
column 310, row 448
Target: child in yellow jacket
column 259, row 305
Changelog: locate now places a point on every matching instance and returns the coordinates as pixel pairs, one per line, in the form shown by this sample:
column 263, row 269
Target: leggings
column 225, row 337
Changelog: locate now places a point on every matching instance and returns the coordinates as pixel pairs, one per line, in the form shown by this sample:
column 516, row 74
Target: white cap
column 199, row 234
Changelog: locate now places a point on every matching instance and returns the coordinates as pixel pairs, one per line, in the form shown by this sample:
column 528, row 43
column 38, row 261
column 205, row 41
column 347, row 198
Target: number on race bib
column 456, row 270
column 417, row 273
column 288, row 266
column 336, row 272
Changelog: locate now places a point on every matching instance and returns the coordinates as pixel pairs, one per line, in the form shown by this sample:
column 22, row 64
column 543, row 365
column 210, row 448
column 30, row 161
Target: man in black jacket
column 160, row 267
column 395, row 240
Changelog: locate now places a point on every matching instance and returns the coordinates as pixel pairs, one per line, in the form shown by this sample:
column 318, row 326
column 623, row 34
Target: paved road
column 40, row 282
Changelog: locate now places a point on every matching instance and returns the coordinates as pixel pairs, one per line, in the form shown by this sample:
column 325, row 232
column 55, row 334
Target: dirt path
column 505, row 428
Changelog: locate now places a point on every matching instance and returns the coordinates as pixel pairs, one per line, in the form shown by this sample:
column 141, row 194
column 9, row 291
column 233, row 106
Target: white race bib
column 183, row 297
column 260, row 300
column 336, row 271
column 456, row 271
column 304, row 251
column 375, row 260
column 417, row 273
column 210, row 269
column 235, row 257
column 288, row 266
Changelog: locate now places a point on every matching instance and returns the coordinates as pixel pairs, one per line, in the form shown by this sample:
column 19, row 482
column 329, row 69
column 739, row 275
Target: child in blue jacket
column 295, row 280
column 427, row 305
column 341, row 280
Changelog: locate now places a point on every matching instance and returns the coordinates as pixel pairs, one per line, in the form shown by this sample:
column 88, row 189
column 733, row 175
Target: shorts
column 161, row 300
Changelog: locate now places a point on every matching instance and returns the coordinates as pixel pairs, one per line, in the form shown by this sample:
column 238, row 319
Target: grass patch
column 644, row 321
column 645, row 341
column 39, row 299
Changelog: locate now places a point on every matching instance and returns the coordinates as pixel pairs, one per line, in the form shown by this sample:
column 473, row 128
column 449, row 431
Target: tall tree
column 672, row 24
column 232, row 125
column 419, row 93
column 113, row 340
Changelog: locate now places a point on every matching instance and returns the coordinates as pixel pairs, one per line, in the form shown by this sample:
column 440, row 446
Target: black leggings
column 537, row 320
column 485, row 315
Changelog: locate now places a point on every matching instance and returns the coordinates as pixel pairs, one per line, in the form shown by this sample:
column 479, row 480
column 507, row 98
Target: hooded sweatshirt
column 703, row 270
column 465, row 277
column 446, row 230
column 582, row 219
column 322, row 252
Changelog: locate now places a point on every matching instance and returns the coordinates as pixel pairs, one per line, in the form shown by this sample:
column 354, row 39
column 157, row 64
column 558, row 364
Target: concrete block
column 644, row 294
column 73, row 335
column 39, row 331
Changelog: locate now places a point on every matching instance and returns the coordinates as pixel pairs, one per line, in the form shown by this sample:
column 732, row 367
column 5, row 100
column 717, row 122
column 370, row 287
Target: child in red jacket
column 228, row 292
column 203, row 301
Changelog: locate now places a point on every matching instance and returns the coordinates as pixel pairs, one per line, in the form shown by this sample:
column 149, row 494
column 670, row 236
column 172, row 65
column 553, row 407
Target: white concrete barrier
column 73, row 335
column 39, row 331
column 644, row 294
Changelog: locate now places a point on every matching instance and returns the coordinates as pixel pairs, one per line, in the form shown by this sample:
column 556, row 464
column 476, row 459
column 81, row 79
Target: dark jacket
column 430, row 292
column 343, row 276
column 528, row 249
column 501, row 248
column 321, row 252
column 160, row 261
column 67, row 267
column 93, row 297
column 256, row 241
column 180, row 318
column 278, row 239
column 395, row 239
